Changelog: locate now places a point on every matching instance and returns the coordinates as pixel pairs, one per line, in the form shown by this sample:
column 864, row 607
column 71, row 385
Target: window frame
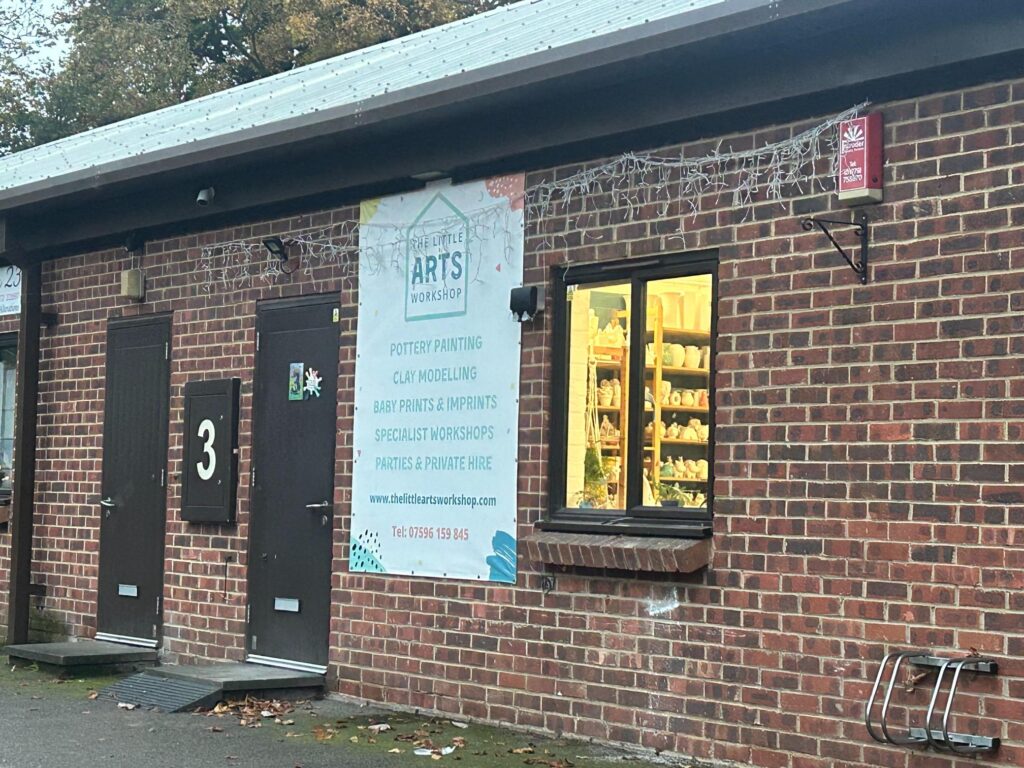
column 636, row 519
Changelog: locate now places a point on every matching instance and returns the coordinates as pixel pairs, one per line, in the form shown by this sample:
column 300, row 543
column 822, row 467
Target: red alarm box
column 860, row 160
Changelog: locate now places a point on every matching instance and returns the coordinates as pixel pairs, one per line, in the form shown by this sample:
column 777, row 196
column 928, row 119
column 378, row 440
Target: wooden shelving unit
column 613, row 362
column 656, row 447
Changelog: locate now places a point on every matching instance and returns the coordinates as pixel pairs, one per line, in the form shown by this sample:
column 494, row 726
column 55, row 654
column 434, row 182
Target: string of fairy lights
column 555, row 209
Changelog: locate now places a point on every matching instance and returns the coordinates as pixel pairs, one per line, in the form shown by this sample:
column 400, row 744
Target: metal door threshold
column 126, row 640
column 301, row 666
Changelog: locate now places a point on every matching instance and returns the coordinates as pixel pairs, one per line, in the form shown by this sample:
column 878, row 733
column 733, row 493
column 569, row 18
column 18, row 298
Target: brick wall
column 869, row 473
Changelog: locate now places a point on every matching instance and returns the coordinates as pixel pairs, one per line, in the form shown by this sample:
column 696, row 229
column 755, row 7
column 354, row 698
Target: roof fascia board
column 777, row 82
column 697, row 25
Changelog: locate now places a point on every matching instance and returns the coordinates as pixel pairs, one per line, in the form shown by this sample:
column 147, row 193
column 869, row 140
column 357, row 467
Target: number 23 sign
column 210, row 464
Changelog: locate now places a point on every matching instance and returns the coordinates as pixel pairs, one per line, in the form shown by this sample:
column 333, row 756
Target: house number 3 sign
column 210, row 464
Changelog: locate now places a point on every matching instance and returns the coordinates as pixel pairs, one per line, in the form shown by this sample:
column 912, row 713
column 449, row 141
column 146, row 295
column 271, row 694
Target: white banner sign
column 10, row 290
column 437, row 383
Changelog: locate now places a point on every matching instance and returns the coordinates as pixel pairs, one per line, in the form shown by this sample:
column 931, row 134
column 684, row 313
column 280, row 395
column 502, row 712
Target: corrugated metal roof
column 495, row 37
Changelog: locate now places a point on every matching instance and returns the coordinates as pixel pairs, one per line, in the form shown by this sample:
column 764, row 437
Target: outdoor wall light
column 526, row 301
column 277, row 248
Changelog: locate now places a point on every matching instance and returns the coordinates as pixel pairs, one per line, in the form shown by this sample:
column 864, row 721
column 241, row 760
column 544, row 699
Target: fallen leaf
column 122, row 705
column 379, row 728
column 522, row 750
column 396, row 751
column 216, row 729
column 92, row 695
column 457, row 724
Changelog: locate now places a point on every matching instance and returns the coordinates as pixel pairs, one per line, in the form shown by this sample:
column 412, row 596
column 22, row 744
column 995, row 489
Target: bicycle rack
column 939, row 737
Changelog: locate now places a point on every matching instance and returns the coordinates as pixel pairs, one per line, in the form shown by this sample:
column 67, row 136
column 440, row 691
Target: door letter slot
column 286, row 604
column 128, row 590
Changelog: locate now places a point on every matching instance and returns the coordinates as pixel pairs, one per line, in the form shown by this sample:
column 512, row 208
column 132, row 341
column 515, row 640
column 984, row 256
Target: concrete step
column 76, row 657
column 234, row 677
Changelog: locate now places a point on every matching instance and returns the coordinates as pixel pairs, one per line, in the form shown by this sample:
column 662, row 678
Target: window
column 8, row 358
column 633, row 433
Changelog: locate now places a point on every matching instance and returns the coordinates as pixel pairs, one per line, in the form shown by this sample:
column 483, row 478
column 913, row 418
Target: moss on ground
column 475, row 746
column 26, row 679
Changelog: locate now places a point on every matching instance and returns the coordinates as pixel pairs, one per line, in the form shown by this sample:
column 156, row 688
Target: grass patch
column 28, row 680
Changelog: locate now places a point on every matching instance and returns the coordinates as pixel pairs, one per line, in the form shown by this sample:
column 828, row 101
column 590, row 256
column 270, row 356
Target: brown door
column 295, row 421
column 134, row 489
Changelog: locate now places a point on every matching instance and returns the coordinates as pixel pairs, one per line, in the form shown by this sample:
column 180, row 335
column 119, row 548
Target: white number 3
column 207, row 430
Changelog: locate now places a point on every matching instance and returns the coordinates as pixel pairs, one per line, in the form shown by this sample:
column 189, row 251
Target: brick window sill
column 624, row 553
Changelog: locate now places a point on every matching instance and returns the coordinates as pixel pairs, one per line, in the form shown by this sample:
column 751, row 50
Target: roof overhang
column 726, row 68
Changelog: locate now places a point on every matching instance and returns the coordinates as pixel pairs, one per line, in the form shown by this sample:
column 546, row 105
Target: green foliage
column 127, row 57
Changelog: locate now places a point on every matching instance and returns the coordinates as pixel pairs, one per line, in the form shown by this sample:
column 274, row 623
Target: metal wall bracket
column 937, row 737
column 862, row 230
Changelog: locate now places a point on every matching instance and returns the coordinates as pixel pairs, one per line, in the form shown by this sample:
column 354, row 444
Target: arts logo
column 853, row 138
column 437, row 262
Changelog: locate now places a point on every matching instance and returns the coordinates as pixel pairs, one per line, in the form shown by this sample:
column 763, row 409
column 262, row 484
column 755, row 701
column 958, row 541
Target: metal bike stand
column 897, row 658
column 942, row 739
column 938, row 738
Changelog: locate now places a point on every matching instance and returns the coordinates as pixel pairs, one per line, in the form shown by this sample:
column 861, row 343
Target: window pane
column 597, row 419
column 677, row 374
column 8, row 357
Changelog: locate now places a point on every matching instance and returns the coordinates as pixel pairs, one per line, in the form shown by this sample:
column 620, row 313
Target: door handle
column 321, row 505
column 107, row 504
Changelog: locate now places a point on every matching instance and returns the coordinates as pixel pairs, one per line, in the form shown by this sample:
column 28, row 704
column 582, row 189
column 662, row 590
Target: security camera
column 205, row 196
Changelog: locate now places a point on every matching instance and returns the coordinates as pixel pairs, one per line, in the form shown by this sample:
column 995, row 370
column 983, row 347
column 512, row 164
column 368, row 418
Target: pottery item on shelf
column 704, row 310
column 704, row 432
column 691, row 357
column 702, row 469
column 662, row 429
column 688, row 305
column 702, row 398
column 678, row 355
column 690, row 434
column 705, row 358
column 607, row 428
column 680, row 466
column 604, row 394
column 649, row 357
column 667, row 469
column 616, row 393
column 666, row 355
column 670, row 304
column 672, row 433
column 648, row 399
column 695, row 423
column 666, row 392
column 649, row 431
column 676, row 397
column 618, row 334
column 687, row 398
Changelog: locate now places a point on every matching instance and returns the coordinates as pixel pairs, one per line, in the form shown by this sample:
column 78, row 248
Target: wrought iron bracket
column 862, row 230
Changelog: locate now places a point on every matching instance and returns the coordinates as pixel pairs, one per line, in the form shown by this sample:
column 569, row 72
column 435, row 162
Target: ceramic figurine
column 680, row 466
column 672, row 433
column 667, row 469
column 675, row 398
column 702, row 398
column 702, row 469
column 704, row 432
column 616, row 393
column 686, row 398
column 690, row 434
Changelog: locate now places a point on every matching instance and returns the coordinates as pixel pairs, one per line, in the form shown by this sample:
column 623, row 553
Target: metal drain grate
column 165, row 693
